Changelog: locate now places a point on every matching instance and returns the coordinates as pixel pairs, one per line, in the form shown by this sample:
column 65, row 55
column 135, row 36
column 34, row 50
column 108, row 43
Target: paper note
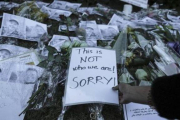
column 92, row 74
column 135, row 111
column 139, row 3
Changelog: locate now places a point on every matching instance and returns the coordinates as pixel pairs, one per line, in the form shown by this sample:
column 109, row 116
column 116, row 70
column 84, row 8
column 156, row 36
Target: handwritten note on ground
column 139, row 3
column 135, row 111
column 92, row 74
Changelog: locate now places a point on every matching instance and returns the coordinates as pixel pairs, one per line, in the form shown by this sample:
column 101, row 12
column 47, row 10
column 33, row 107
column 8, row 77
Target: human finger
column 116, row 87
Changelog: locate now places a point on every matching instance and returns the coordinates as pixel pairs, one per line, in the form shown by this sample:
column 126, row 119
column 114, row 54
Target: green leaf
column 51, row 49
column 50, row 56
column 178, row 35
column 69, row 21
column 162, row 36
column 43, row 64
column 159, row 32
column 168, row 34
column 58, row 58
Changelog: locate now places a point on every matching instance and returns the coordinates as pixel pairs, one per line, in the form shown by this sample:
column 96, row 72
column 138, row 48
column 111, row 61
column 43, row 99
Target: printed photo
column 41, row 4
column 22, row 28
column 64, row 28
column 72, row 6
column 47, row 10
column 120, row 22
column 35, row 30
column 83, row 24
column 29, row 58
column 55, row 14
column 146, row 22
column 7, row 51
column 4, row 54
column 108, row 32
column 92, row 43
column 58, row 5
column 92, row 32
column 62, row 5
column 8, row 5
column 5, row 68
column 26, row 74
column 89, row 10
column 58, row 40
column 13, row 26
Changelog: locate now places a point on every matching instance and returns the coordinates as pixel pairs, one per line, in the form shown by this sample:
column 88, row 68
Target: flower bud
column 141, row 74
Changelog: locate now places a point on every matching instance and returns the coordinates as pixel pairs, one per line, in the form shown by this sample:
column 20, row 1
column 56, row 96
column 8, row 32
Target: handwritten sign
column 92, row 74
column 135, row 111
column 139, row 3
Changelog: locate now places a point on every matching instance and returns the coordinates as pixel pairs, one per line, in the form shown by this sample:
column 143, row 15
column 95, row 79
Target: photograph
column 92, row 32
column 89, row 10
column 13, row 77
column 7, row 51
column 22, row 79
column 8, row 5
column 92, row 43
column 119, row 21
column 22, row 28
column 29, row 58
column 4, row 54
column 31, row 76
column 83, row 24
column 13, row 26
column 108, row 32
column 63, row 5
column 72, row 6
column 41, row 4
column 26, row 74
column 47, row 10
column 55, row 14
column 35, row 30
column 64, row 28
column 75, row 39
column 57, row 41
column 58, row 5
column 146, row 22
column 5, row 68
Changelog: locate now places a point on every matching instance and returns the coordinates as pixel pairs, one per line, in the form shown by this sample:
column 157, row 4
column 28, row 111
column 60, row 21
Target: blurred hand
column 124, row 93
column 136, row 94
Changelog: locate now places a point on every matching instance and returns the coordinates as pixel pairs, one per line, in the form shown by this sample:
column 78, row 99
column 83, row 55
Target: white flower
column 76, row 43
column 66, row 44
column 133, row 45
column 108, row 47
column 129, row 54
column 141, row 74
column 126, row 78
column 84, row 44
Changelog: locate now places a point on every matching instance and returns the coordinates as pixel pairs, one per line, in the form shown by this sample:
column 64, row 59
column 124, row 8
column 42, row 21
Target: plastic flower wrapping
column 37, row 39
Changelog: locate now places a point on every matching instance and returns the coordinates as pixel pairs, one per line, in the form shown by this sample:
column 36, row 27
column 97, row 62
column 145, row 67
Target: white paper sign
column 92, row 74
column 139, row 3
column 135, row 111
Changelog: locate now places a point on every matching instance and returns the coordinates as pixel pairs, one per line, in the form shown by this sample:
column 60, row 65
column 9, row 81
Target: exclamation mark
column 114, row 81
column 113, row 68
